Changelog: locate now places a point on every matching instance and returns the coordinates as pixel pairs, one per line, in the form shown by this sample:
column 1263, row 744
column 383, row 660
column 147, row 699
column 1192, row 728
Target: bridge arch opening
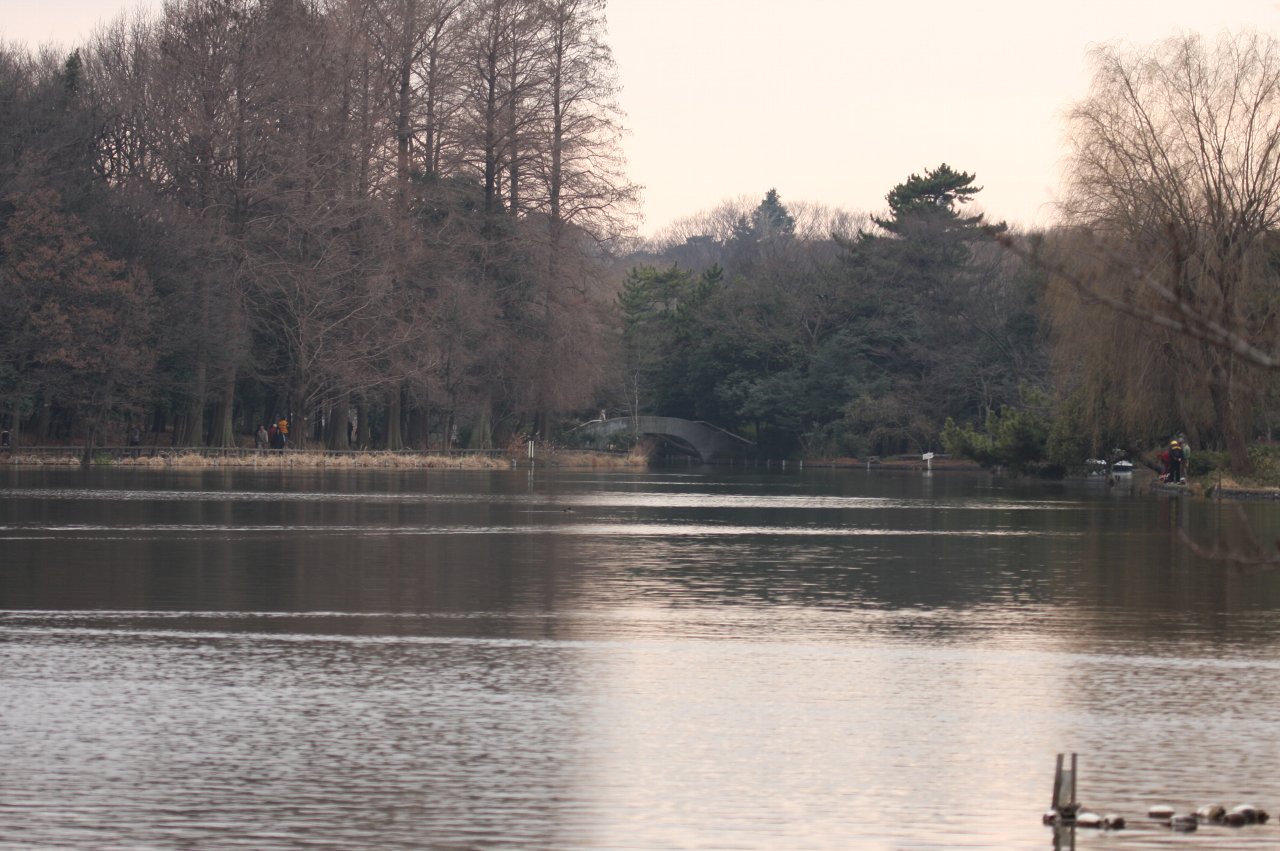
column 700, row 440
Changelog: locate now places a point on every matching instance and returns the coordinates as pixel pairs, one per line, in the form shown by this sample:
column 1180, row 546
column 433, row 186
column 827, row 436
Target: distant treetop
column 936, row 195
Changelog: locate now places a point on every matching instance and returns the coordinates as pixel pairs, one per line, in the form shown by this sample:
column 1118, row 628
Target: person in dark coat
column 1176, row 456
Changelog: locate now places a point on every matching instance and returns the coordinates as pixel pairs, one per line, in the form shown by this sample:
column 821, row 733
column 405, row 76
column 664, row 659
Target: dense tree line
column 844, row 336
column 244, row 209
column 1149, row 311
column 412, row 212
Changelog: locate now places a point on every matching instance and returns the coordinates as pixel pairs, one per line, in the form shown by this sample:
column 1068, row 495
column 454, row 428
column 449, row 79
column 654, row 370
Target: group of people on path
column 274, row 437
column 1174, row 461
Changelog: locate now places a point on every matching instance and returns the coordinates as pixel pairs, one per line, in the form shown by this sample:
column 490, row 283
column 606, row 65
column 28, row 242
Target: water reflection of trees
column 370, row 563
column 1101, row 568
column 1085, row 563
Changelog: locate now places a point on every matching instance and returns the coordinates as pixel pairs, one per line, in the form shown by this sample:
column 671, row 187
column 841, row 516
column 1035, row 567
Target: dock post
column 1064, row 790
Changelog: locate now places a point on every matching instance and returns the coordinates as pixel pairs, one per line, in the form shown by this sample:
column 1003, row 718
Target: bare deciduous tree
column 1173, row 202
column 313, row 184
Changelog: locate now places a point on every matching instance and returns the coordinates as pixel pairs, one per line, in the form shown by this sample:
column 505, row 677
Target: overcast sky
column 832, row 101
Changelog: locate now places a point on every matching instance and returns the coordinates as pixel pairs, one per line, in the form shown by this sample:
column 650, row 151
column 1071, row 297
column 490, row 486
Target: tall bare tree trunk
column 395, row 437
column 1230, row 410
column 298, row 419
column 44, row 414
column 15, row 422
column 364, row 434
column 417, row 436
column 222, row 430
column 482, row 431
column 191, row 430
column 336, row 423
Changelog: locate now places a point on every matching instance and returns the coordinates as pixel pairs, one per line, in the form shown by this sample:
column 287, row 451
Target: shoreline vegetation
column 640, row 456
column 389, row 245
column 196, row 458
column 1215, row 485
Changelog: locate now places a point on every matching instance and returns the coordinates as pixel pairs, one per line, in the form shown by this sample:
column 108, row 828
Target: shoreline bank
column 206, row 458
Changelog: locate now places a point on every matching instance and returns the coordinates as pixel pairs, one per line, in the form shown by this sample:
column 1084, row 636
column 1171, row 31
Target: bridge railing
column 702, row 423
column 725, row 432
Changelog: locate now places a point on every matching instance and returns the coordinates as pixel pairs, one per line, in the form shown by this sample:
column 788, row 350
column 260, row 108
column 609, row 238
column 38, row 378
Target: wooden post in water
column 1064, row 789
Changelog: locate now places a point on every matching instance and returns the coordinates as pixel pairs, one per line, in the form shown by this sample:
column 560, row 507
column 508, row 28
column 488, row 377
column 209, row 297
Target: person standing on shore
column 1176, row 458
column 260, row 437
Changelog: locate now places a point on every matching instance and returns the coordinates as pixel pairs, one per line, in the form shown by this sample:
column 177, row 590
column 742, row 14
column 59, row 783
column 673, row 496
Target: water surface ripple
column 515, row 660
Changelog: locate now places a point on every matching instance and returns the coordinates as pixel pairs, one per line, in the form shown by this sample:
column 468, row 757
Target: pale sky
column 832, row 101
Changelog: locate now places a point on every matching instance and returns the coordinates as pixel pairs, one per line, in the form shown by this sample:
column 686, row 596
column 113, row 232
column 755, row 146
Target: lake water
column 574, row 660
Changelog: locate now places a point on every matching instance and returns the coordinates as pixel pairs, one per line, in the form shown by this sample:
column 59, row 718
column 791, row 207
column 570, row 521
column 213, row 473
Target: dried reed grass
column 321, row 460
column 302, row 459
column 637, row 457
column 34, row 460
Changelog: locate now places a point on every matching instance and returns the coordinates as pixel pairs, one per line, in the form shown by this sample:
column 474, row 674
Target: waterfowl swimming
column 1183, row 823
column 1163, row 812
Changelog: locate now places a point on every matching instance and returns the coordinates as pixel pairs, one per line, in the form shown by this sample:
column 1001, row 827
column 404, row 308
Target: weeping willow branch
column 1183, row 316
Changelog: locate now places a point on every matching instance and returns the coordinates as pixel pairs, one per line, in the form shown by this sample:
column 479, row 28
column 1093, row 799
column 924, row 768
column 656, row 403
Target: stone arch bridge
column 707, row 442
